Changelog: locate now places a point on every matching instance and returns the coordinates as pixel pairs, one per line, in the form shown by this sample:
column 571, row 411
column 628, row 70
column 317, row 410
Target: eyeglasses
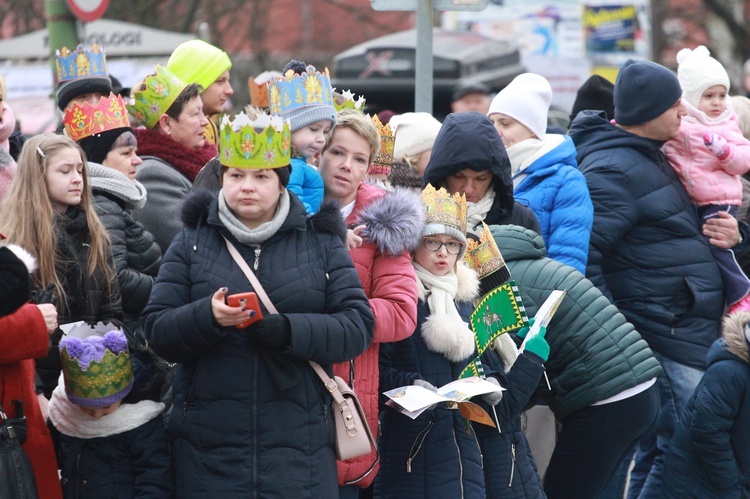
column 452, row 247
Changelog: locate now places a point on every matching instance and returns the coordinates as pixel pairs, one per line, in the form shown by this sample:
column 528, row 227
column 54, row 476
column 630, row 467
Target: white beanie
column 697, row 71
column 526, row 99
column 415, row 134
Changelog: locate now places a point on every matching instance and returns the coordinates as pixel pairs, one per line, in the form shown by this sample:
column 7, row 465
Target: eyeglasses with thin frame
column 452, row 247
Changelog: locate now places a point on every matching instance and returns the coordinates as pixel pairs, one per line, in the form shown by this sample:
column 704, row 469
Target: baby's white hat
column 415, row 134
column 526, row 99
column 697, row 71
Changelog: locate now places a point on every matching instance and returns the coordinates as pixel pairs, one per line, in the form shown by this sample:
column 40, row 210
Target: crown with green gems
column 293, row 91
column 440, row 207
column 345, row 100
column 263, row 142
column 97, row 370
column 80, row 63
column 154, row 95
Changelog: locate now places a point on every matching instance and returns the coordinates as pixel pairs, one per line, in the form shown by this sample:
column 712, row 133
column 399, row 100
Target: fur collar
column 70, row 420
column 734, row 335
column 394, row 221
column 23, row 255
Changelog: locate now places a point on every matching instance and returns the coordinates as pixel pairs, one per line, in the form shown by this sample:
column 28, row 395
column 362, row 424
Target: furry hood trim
column 23, row 255
column 734, row 335
column 394, row 222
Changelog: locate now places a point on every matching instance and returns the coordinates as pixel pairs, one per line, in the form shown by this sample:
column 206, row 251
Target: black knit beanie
column 68, row 90
column 97, row 146
column 596, row 93
column 644, row 90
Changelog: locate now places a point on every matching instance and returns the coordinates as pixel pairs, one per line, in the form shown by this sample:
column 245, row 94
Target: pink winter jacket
column 383, row 262
column 707, row 179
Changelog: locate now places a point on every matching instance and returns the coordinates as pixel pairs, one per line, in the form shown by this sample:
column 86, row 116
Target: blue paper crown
column 81, row 63
column 293, row 91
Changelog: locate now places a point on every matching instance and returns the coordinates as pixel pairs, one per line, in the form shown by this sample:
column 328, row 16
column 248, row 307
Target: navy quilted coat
column 647, row 252
column 233, row 433
column 433, row 455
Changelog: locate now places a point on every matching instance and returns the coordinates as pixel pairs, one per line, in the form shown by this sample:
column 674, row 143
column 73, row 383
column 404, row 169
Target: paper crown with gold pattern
column 383, row 160
column 263, row 142
column 80, row 63
column 293, row 90
column 258, row 87
column 345, row 100
column 483, row 255
column 444, row 214
column 154, row 95
column 85, row 120
column 97, row 369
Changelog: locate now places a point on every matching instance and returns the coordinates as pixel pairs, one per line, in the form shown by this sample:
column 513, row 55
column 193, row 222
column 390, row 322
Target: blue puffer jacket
column 233, row 432
column 709, row 456
column 433, row 455
column 557, row 193
column 647, row 250
column 509, row 468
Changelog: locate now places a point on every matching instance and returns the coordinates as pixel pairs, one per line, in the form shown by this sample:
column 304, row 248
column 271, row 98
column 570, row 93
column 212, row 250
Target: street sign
column 468, row 5
column 88, row 10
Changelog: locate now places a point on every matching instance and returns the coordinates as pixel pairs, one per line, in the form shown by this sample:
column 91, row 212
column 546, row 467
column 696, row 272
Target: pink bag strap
column 330, row 384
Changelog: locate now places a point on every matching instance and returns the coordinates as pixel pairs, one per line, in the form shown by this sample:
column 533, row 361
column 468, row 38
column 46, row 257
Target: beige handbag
column 353, row 435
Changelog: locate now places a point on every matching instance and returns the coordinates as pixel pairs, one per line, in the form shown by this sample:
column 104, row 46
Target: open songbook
column 414, row 400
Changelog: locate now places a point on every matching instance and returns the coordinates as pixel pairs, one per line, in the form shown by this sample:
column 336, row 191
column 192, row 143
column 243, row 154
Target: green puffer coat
column 594, row 352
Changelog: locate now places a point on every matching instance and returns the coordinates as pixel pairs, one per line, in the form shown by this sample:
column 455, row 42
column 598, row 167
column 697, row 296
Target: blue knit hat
column 644, row 91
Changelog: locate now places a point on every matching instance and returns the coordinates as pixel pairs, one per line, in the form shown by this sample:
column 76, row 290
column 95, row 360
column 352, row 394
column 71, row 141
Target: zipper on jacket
column 512, row 463
column 257, row 257
column 418, row 444
column 460, row 464
column 78, row 475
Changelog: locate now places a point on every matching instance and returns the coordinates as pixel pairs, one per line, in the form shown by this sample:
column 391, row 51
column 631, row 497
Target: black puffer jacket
column 234, row 433
column 469, row 141
column 647, row 251
column 136, row 254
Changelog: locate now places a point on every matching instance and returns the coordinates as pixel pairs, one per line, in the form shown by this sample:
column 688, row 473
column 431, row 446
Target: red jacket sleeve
column 393, row 297
column 23, row 335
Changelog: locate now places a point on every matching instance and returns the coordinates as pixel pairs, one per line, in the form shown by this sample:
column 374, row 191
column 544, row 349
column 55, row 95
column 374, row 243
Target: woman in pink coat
column 710, row 154
column 384, row 228
column 24, row 335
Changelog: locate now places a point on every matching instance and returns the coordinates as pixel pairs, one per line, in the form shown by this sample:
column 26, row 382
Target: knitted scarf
column 186, row 160
column 72, row 232
column 444, row 331
column 109, row 180
column 261, row 233
column 478, row 211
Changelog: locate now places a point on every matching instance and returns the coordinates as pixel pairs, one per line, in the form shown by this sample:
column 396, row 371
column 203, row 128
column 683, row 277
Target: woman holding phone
column 250, row 416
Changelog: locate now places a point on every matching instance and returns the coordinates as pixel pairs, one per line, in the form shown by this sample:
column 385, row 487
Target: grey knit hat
column 303, row 116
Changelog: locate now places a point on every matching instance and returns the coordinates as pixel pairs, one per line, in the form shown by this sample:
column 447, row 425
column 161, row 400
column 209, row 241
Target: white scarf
column 478, row 211
column 524, row 153
column 444, row 331
column 70, row 420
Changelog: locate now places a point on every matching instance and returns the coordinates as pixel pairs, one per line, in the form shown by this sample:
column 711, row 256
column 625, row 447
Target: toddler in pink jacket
column 710, row 154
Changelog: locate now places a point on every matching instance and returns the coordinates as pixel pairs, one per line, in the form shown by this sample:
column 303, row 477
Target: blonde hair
column 3, row 88
column 741, row 105
column 362, row 125
column 28, row 218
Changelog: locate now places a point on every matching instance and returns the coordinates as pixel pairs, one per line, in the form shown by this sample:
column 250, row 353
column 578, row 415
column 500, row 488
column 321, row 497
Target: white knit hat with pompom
column 697, row 71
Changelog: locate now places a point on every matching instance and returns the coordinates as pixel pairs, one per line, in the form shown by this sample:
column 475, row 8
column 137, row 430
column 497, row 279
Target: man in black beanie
column 647, row 251
column 596, row 93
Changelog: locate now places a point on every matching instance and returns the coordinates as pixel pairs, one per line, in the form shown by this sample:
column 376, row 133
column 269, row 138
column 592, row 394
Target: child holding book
column 105, row 410
column 710, row 154
column 433, row 455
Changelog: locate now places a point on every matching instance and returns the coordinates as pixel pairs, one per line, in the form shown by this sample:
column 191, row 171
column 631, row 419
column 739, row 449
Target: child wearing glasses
column 433, row 455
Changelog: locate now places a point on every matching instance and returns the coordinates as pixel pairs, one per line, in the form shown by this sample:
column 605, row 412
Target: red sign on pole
column 88, row 10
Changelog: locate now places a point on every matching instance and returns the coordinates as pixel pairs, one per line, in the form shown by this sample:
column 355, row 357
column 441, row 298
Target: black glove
column 272, row 331
column 39, row 295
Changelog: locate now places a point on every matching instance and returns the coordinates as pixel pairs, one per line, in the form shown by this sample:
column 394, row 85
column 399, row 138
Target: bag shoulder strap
column 329, row 382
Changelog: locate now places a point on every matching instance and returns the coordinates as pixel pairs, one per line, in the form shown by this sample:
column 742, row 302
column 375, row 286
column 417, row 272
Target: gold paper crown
column 258, row 88
column 85, row 120
column 154, row 95
column 484, row 256
column 440, row 207
column 293, row 91
column 101, row 380
column 345, row 100
column 264, row 142
column 80, row 63
column 384, row 158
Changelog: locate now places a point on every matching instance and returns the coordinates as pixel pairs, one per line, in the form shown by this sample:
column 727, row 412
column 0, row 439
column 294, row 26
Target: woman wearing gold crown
column 250, row 417
column 173, row 148
column 433, row 455
column 104, row 134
